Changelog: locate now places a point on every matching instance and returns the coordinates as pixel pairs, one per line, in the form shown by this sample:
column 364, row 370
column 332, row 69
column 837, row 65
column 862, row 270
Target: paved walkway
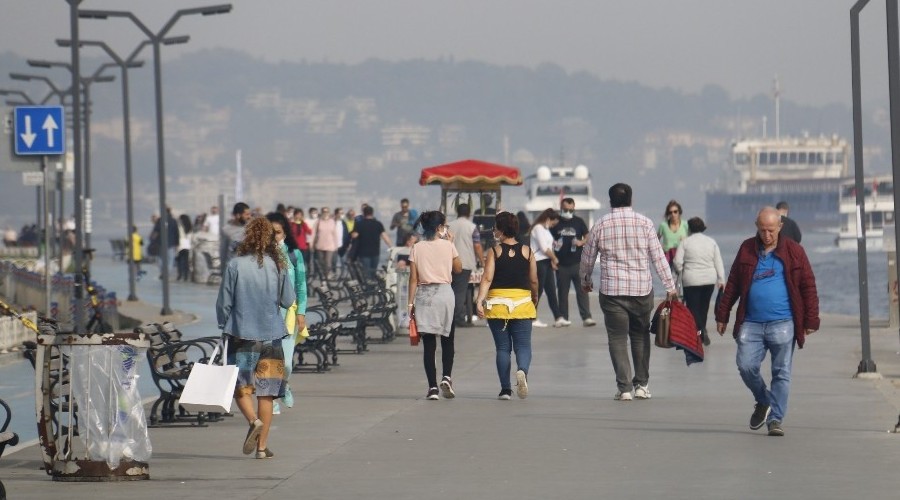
column 365, row 430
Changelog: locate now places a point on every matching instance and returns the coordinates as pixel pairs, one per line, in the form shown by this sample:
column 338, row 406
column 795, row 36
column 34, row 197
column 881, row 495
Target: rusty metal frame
column 65, row 467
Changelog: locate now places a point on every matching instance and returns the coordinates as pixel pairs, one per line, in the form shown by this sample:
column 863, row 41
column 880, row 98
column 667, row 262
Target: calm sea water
column 837, row 279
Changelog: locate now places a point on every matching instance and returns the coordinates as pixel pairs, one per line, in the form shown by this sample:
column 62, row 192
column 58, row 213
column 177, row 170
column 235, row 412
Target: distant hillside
column 380, row 122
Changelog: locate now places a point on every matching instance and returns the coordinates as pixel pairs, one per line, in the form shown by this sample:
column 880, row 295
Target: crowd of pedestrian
column 262, row 300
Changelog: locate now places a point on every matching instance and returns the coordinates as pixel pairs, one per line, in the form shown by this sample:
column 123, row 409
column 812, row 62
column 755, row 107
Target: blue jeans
column 369, row 264
column 517, row 335
column 753, row 340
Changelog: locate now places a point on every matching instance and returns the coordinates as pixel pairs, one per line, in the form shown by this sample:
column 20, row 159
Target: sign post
column 40, row 131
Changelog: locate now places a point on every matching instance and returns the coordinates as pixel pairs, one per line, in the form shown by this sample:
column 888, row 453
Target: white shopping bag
column 209, row 387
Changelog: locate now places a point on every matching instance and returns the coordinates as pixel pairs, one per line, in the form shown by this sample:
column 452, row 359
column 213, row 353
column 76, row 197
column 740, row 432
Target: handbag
column 413, row 332
column 662, row 322
column 210, row 388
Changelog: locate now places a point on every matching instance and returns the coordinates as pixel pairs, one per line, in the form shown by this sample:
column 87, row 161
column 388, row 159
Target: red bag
column 413, row 332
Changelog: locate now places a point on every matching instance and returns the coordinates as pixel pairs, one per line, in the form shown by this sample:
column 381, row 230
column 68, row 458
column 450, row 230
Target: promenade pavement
column 364, row 430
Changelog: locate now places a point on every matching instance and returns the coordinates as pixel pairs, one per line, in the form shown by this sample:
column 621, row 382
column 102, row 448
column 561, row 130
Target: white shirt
column 541, row 240
column 339, row 232
column 212, row 220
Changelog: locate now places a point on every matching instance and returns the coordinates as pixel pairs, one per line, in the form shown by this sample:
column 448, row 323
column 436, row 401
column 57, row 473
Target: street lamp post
column 156, row 40
column 86, row 82
column 124, row 65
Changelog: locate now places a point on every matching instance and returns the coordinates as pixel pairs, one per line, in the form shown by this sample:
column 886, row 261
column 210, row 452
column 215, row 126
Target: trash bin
column 90, row 418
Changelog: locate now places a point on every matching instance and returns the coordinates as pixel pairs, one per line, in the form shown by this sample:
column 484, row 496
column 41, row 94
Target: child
column 137, row 244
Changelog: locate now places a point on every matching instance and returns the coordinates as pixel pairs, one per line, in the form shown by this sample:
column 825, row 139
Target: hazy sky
column 684, row 44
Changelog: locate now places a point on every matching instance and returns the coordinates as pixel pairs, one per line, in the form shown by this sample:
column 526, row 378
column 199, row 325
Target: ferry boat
column 806, row 172
column 549, row 185
column 878, row 199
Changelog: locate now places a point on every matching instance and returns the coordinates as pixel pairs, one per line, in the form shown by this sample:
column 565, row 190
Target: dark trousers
column 429, row 340
column 568, row 274
column 696, row 298
column 628, row 318
column 547, row 283
column 184, row 265
column 460, row 285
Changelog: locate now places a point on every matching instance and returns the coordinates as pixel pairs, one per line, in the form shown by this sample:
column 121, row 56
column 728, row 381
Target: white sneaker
column 623, row 396
column 590, row 322
column 642, row 392
column 538, row 324
column 521, row 384
column 561, row 322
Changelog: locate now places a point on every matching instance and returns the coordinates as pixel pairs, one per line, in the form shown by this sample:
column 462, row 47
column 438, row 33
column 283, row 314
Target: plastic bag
column 111, row 420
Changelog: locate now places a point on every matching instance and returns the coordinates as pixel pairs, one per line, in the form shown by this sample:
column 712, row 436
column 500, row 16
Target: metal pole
column 161, row 167
column 893, row 39
column 48, row 282
column 86, row 164
column 129, row 201
column 61, row 217
column 866, row 365
column 76, row 137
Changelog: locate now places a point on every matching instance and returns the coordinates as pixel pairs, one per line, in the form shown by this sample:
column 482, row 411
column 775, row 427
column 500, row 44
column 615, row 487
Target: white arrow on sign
column 49, row 126
column 28, row 136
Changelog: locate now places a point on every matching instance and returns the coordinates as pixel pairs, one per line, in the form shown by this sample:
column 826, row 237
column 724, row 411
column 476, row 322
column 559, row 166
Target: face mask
column 566, row 214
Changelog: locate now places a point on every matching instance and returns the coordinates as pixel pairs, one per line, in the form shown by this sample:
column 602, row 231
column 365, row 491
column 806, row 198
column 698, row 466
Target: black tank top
column 511, row 272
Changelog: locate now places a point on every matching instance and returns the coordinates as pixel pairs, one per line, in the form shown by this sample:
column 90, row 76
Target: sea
column 836, row 271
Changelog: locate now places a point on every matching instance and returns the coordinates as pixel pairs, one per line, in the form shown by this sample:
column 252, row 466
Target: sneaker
column 760, row 414
column 590, row 322
column 266, row 453
column 623, row 396
column 252, row 436
column 775, row 428
column 538, row 324
column 642, row 392
column 447, row 388
column 276, row 408
column 505, row 395
column 433, row 394
column 521, row 384
column 561, row 322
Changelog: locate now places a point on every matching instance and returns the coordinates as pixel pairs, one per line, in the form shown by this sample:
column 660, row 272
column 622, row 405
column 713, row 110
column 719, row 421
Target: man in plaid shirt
column 626, row 244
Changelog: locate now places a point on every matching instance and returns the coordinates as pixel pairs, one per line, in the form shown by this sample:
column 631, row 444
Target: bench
column 118, row 248
column 171, row 358
column 7, row 438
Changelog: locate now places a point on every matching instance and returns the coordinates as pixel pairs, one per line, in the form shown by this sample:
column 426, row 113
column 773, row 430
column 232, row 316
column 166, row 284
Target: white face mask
column 566, row 214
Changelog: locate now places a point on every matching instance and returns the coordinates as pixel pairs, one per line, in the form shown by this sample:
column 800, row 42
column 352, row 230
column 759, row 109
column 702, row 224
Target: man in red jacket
column 778, row 306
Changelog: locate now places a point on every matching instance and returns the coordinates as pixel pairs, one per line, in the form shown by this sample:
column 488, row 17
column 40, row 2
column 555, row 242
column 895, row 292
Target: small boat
column 878, row 199
column 550, row 185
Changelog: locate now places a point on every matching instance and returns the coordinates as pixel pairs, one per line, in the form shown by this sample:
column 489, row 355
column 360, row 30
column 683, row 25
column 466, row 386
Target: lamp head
column 217, row 9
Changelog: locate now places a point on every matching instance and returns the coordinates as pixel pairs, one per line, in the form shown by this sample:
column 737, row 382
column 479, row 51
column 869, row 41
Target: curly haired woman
column 255, row 287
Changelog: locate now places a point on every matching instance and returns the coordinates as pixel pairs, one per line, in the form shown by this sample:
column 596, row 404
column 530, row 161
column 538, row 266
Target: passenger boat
column 878, row 200
column 806, row 172
column 550, row 185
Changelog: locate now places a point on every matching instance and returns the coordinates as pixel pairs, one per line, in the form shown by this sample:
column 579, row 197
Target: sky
column 681, row 44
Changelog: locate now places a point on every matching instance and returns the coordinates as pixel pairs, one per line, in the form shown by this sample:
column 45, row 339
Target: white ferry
column 879, row 207
column 803, row 171
column 549, row 185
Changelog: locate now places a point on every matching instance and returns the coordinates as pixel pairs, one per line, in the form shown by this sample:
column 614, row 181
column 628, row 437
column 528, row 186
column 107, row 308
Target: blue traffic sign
column 40, row 130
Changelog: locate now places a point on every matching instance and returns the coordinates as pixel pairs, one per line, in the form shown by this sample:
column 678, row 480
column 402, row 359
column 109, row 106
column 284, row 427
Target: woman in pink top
column 325, row 243
column 433, row 261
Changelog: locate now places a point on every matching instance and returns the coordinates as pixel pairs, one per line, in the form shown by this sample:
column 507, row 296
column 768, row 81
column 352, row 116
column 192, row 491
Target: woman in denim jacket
column 255, row 286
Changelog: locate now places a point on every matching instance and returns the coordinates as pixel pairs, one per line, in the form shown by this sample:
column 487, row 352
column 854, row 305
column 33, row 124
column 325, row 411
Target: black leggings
column 696, row 298
column 447, row 352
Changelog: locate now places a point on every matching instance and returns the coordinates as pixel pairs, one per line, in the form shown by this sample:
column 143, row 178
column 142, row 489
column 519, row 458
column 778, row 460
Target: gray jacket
column 250, row 297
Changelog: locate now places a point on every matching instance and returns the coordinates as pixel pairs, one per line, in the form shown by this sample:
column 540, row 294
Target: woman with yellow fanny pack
column 508, row 298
